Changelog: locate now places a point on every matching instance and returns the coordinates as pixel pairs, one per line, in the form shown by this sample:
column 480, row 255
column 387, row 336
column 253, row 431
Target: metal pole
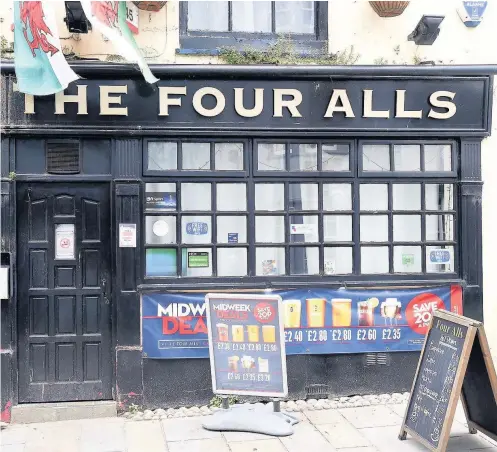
column 276, row 406
column 225, row 403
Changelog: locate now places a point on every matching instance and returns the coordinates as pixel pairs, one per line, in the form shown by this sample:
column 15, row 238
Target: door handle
column 104, row 288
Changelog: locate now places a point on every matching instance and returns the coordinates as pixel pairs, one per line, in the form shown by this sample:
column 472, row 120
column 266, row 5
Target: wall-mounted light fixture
column 75, row 19
column 427, row 30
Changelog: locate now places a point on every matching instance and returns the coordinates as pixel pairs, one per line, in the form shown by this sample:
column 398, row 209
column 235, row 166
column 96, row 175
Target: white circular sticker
column 160, row 228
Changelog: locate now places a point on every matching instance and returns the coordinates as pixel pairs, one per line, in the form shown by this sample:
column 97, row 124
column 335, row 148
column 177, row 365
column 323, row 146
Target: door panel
column 64, row 312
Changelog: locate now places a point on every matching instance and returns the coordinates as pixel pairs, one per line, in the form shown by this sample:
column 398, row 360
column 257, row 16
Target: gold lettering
column 165, row 102
column 220, row 101
column 258, row 103
column 339, row 95
column 106, row 100
column 400, row 105
column 291, row 104
column 368, row 107
column 80, row 98
column 435, row 101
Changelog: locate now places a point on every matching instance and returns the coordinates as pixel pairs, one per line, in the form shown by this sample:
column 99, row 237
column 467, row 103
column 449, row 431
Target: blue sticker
column 197, row 228
column 440, row 256
column 232, row 237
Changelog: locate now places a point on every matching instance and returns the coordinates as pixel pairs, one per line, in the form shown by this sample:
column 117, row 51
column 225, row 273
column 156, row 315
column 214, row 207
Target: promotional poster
column 316, row 320
column 247, row 345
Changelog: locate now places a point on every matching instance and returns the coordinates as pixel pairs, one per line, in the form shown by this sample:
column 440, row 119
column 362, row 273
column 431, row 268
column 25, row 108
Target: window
column 291, row 215
column 211, row 25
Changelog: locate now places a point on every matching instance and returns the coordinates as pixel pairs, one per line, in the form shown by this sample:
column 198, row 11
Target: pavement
column 363, row 429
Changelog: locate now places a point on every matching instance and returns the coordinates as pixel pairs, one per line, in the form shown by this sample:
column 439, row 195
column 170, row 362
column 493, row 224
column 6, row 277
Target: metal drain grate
column 377, row 359
column 63, row 157
column 317, row 391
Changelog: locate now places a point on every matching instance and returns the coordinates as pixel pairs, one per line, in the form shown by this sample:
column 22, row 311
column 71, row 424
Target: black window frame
column 354, row 177
column 210, row 42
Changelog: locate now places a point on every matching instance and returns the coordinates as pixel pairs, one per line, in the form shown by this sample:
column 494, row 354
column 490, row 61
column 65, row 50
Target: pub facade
column 353, row 192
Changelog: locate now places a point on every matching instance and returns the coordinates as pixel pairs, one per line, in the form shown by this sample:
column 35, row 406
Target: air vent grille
column 63, row 157
column 317, row 391
column 377, row 359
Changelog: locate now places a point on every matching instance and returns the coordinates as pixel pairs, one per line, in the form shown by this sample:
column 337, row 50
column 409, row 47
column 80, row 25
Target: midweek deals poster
column 316, row 320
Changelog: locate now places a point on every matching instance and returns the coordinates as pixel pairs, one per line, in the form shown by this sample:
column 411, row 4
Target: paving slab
column 62, row 437
column 371, row 416
column 244, row 436
column 19, row 447
column 98, row 436
column 467, row 443
column 144, row 436
column 342, row 435
column 307, row 437
column 181, row 429
column 266, row 445
column 399, row 409
column 324, row 416
column 385, row 439
column 198, row 445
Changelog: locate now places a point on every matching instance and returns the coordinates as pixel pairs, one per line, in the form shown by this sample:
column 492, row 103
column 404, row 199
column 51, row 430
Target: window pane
column 374, row 259
column 269, row 197
column 160, row 197
column 160, row 262
column 337, row 260
column 294, row 17
column 195, row 196
column 162, row 155
column 196, row 156
column 196, row 229
column 303, row 197
column 231, row 262
column 335, row 157
column 337, row 228
column 407, row 259
column 269, row 261
column 438, row 157
column 271, row 157
column 304, row 228
column 231, row 197
column 229, row 156
column 407, row 157
column 196, row 262
column 232, row 229
column 439, row 196
column 440, row 259
column 407, row 228
column 303, row 157
column 439, row 227
column 251, row 17
column 376, row 157
column 374, row 197
column 406, row 196
column 304, row 260
column 374, row 228
column 269, row 229
column 208, row 15
column 160, row 230
column 337, row 197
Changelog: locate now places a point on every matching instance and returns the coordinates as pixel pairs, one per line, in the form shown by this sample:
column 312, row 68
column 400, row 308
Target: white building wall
column 376, row 40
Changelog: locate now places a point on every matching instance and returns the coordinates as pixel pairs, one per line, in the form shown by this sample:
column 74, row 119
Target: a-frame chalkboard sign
column 455, row 362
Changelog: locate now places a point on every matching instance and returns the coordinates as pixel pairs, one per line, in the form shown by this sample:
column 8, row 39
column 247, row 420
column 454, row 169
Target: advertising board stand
column 247, row 358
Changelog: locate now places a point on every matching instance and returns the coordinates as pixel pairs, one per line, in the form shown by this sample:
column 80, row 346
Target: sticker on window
column 232, row 237
column 197, row 228
column 160, row 201
column 269, row 267
column 303, row 229
column 198, row 259
column 440, row 256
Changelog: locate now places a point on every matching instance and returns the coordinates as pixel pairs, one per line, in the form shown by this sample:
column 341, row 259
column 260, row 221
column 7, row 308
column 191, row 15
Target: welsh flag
column 110, row 19
column 41, row 68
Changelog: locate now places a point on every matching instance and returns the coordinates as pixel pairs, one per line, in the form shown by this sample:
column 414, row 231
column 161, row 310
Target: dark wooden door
column 64, row 294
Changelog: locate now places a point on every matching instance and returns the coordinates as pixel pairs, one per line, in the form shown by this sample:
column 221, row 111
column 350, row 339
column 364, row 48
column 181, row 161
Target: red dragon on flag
column 32, row 16
column 106, row 12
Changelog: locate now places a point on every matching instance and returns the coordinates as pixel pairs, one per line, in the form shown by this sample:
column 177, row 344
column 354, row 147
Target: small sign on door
column 64, row 241
column 127, row 235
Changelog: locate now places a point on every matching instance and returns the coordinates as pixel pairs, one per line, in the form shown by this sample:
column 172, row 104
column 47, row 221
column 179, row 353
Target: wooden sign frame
column 472, row 328
column 492, row 375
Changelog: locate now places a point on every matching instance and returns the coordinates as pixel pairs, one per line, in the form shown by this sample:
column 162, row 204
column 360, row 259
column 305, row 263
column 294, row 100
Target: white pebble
column 137, row 417
column 160, row 412
column 312, row 402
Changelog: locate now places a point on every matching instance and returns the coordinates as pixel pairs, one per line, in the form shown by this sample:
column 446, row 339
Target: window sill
column 195, row 45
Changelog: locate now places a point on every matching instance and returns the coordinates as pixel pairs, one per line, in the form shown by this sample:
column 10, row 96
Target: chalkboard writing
column 439, row 363
column 477, row 390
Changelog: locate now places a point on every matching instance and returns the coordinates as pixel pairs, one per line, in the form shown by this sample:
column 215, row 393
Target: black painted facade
column 112, row 156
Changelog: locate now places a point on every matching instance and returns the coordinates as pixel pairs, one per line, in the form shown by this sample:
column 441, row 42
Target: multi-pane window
column 221, row 23
column 309, row 208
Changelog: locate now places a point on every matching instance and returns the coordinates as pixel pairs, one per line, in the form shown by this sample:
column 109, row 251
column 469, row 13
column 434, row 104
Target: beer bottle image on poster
column 246, row 344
